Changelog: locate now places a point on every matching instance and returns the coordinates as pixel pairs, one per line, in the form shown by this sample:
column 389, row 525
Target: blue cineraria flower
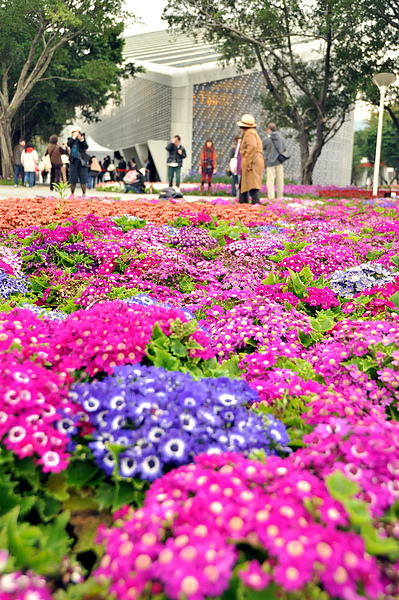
column 172, row 231
column 146, row 300
column 143, row 299
column 352, row 281
column 150, row 465
column 52, row 315
column 12, row 285
column 175, row 447
column 128, row 464
column 162, row 418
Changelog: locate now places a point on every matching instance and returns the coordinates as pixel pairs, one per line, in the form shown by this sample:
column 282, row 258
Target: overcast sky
column 150, row 12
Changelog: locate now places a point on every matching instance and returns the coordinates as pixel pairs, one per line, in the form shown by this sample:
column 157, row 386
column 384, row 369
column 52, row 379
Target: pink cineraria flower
column 184, row 538
column 254, row 576
column 32, row 400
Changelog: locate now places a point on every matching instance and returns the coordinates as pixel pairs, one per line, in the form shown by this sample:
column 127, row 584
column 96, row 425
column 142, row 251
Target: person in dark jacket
column 78, row 171
column 176, row 154
column 273, row 145
column 18, row 168
column 151, row 174
column 121, row 169
column 55, row 151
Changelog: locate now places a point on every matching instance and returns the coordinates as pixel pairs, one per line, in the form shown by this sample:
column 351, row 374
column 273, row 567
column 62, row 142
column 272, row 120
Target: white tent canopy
column 98, row 150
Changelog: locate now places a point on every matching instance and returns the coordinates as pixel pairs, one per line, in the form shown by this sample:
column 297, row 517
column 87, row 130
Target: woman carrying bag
column 252, row 165
column 54, row 152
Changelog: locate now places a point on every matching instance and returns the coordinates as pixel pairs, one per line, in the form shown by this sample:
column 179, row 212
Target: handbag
column 111, row 168
column 233, row 163
column 281, row 156
column 130, row 177
column 85, row 159
column 46, row 164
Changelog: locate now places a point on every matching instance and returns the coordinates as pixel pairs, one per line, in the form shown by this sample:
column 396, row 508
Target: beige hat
column 75, row 128
column 247, row 121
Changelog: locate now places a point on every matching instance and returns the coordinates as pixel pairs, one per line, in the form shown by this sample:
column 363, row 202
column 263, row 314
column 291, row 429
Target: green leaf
column 126, row 495
column 270, row 279
column 47, row 506
column 246, row 593
column 395, row 299
column 178, row 348
column 57, row 486
column 305, row 339
column 378, row 546
column 106, row 495
column 79, row 472
column 306, row 273
column 340, row 486
column 161, row 358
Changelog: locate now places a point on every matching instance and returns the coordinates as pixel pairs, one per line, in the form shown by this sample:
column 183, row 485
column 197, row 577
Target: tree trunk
column 7, row 163
column 303, row 139
column 307, row 174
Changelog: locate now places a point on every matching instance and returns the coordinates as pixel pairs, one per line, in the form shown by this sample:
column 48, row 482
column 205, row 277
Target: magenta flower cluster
column 184, row 540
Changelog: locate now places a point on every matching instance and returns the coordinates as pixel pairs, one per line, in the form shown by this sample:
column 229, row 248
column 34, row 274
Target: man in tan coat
column 252, row 164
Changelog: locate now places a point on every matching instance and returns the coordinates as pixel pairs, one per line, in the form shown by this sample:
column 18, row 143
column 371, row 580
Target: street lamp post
column 383, row 81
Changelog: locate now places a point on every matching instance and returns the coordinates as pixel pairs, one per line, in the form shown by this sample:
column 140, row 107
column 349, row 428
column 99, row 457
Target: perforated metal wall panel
column 218, row 105
column 144, row 113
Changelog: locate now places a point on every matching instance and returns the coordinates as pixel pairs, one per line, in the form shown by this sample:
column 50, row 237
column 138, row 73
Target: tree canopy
column 311, row 53
column 56, row 56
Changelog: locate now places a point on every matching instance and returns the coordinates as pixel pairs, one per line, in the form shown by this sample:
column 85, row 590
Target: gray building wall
column 144, row 113
column 151, row 111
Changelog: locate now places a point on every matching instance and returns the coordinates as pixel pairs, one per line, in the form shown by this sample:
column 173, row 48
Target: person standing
column 235, row 176
column 207, row 164
column 151, row 172
column 176, row 154
column 121, row 168
column 18, row 168
column 65, row 165
column 273, row 145
column 30, row 162
column 54, row 151
column 79, row 163
column 252, row 163
column 95, row 170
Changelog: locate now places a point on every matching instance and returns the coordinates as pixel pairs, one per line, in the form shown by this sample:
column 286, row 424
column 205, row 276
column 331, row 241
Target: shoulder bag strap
column 237, row 148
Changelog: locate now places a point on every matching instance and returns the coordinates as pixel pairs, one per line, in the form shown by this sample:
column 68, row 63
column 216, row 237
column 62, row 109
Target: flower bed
column 199, row 400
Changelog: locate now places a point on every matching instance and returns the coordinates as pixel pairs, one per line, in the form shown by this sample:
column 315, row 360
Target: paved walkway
column 9, row 191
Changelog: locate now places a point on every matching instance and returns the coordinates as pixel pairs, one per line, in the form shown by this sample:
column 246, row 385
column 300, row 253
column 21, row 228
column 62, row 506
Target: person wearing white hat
column 252, row 164
column 79, row 159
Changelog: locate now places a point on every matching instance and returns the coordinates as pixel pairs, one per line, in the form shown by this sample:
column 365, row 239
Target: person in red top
column 208, row 163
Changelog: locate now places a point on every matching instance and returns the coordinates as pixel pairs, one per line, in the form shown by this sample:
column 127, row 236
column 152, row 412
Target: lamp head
column 384, row 79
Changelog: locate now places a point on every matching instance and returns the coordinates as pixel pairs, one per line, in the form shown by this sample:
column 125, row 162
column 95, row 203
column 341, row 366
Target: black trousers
column 244, row 197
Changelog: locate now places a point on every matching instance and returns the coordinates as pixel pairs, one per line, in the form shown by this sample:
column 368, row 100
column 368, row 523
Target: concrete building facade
column 186, row 91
